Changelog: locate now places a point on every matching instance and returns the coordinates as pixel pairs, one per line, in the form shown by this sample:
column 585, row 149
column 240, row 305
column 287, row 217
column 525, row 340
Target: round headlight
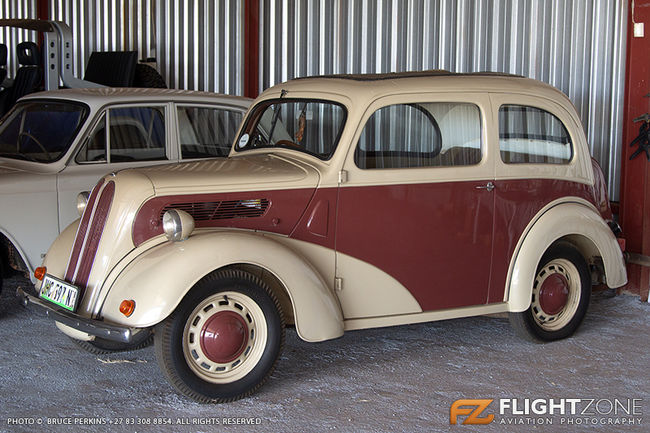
column 82, row 201
column 178, row 225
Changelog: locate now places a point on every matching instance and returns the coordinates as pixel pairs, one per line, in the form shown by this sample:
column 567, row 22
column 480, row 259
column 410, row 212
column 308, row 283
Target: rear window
column 529, row 135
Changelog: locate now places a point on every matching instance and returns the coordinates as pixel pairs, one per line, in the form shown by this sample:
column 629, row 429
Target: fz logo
column 472, row 408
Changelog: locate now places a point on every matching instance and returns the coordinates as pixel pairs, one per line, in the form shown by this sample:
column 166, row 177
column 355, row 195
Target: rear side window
column 529, row 135
column 420, row 135
column 207, row 132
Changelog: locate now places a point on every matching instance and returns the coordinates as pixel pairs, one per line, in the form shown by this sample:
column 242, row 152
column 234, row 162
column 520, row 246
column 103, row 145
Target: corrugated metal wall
column 198, row 44
column 107, row 25
column 576, row 45
column 12, row 37
column 201, row 44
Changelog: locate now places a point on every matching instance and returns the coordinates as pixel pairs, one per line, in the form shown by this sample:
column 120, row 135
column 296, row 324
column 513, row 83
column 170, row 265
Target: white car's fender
column 578, row 222
column 57, row 257
column 158, row 279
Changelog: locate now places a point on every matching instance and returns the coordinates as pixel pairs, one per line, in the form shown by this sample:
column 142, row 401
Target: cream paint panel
column 370, row 292
column 131, row 189
column 430, row 316
column 555, row 221
column 578, row 170
column 165, row 273
column 484, row 170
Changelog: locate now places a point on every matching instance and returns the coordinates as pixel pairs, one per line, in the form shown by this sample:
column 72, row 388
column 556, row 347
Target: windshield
column 309, row 126
column 40, row 131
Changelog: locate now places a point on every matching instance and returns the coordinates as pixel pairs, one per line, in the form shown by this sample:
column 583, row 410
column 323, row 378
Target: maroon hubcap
column 224, row 337
column 553, row 294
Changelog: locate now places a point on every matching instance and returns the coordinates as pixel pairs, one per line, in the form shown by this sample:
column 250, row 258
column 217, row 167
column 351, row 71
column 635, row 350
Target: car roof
column 359, row 87
column 103, row 95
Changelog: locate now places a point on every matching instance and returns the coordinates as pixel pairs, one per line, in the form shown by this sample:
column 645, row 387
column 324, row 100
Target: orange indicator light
column 127, row 307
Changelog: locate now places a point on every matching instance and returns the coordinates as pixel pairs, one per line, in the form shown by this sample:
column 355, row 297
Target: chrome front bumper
column 98, row 328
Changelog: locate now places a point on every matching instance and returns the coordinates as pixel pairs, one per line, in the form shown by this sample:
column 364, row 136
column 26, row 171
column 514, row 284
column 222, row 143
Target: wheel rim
column 224, row 337
column 556, row 294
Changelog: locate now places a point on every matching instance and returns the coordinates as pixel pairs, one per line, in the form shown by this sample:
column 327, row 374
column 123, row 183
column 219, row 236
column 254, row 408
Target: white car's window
column 40, row 131
column 529, row 135
column 135, row 134
column 421, row 135
column 206, row 132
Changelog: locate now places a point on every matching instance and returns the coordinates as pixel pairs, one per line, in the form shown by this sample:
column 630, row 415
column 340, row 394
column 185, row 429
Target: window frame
column 178, row 105
column 253, row 116
column 103, row 113
column 572, row 144
column 418, row 105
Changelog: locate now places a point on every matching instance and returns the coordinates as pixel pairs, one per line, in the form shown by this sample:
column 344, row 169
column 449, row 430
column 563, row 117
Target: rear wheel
column 100, row 346
column 560, row 297
column 223, row 340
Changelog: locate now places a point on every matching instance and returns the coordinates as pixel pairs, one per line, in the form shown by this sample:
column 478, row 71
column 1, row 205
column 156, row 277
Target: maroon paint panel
column 435, row 239
column 517, row 202
column 318, row 223
column 81, row 233
column 285, row 209
column 95, row 235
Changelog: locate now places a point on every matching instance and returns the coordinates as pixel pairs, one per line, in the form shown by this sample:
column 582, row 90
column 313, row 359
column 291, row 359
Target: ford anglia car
column 53, row 145
column 347, row 202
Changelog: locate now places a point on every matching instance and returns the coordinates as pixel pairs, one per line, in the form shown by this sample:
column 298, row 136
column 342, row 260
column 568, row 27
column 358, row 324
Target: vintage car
column 53, row 145
column 347, row 202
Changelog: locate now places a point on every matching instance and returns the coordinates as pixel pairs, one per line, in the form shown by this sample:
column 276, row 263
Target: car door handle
column 489, row 186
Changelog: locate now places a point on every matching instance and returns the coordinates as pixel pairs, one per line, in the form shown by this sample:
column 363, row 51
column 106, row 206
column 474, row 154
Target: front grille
column 220, row 210
column 89, row 235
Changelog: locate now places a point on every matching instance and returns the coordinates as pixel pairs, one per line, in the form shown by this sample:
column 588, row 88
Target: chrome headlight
column 82, row 201
column 178, row 225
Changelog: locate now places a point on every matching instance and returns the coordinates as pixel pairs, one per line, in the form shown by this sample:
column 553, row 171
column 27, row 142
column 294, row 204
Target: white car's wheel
column 223, row 340
column 560, row 296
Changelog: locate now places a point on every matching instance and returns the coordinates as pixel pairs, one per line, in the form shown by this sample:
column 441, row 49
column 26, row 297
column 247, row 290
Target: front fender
column 158, row 279
column 561, row 220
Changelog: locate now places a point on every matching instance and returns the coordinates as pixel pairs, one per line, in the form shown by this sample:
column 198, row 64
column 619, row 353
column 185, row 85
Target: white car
column 54, row 145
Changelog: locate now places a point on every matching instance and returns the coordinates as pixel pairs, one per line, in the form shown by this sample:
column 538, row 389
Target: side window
column 137, row 134
column 421, row 135
column 207, row 132
column 529, row 135
column 94, row 149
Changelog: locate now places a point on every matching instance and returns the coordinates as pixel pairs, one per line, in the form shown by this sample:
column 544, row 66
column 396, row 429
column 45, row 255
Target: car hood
column 243, row 173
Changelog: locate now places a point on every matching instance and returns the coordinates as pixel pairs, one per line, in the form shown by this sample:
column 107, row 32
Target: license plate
column 60, row 293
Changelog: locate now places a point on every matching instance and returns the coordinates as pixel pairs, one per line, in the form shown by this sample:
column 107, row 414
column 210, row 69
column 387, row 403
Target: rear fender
column 566, row 220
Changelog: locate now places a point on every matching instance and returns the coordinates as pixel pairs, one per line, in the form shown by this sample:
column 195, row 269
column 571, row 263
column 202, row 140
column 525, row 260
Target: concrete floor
column 393, row 379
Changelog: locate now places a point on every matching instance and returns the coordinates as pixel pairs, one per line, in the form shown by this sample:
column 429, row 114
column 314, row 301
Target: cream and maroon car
column 347, row 202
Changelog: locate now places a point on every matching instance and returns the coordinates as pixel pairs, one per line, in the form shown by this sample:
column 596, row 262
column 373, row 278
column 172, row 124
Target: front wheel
column 560, row 298
column 223, row 340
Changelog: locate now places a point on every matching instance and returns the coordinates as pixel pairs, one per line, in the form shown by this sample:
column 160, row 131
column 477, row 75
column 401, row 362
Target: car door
column 137, row 135
column 415, row 215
